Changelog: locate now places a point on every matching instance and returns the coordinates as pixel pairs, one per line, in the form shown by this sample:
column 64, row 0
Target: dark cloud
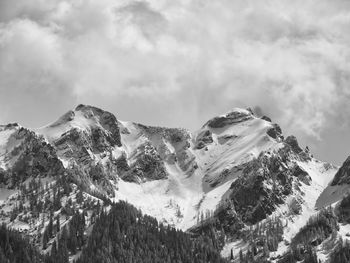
column 179, row 63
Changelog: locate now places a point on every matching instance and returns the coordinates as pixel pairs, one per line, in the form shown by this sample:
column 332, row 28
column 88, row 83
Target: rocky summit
column 238, row 181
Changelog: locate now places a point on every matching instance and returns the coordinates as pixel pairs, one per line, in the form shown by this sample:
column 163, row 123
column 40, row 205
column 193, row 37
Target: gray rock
column 275, row 132
column 343, row 174
column 293, row 143
column 265, row 118
column 229, row 119
column 203, row 139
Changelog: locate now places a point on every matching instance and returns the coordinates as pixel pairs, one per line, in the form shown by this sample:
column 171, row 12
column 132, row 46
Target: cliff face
column 236, row 172
column 236, row 156
column 343, row 174
column 26, row 155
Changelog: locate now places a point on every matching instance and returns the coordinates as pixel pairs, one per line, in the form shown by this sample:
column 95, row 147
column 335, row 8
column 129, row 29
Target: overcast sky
column 178, row 63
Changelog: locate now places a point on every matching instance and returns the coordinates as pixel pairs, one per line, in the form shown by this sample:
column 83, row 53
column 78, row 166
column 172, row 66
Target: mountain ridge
column 235, row 172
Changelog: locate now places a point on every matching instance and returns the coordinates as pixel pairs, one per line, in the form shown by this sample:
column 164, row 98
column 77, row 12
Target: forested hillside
column 125, row 235
column 235, row 190
column 122, row 234
column 15, row 248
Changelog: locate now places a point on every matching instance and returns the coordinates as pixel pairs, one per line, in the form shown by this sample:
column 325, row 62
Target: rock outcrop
column 236, row 116
column 31, row 157
column 343, row 174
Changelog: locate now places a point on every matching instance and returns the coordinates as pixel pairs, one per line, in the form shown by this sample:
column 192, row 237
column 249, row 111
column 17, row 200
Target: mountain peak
column 83, row 118
column 81, row 106
column 81, row 114
column 247, row 111
column 88, row 108
column 237, row 171
column 236, row 115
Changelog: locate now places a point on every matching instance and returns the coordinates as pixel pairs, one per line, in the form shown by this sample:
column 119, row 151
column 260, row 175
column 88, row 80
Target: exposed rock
column 265, row 183
column 122, row 164
column 97, row 175
column 301, row 174
column 106, row 119
column 11, row 125
column 203, row 139
column 83, row 146
column 225, row 175
column 295, row 207
column 179, row 139
column 266, row 118
column 343, row 174
column 32, row 157
column 229, row 119
column 275, row 132
column 148, row 166
column 74, row 144
column 225, row 221
column 293, row 143
column 78, row 144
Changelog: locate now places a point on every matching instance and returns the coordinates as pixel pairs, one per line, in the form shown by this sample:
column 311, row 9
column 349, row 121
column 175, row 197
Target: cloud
column 188, row 59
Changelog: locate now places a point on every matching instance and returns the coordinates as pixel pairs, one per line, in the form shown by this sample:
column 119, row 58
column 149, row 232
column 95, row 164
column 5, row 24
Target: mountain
column 237, row 181
column 338, row 188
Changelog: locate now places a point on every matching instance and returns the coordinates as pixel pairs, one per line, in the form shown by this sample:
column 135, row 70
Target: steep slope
column 282, row 185
column 315, row 225
column 233, row 174
column 37, row 189
column 198, row 176
column 24, row 154
column 106, row 150
column 338, row 188
column 15, row 248
column 87, row 139
column 343, row 174
column 170, row 173
column 181, row 177
column 162, row 244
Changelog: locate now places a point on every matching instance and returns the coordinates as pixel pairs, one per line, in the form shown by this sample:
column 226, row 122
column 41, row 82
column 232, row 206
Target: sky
column 179, row 63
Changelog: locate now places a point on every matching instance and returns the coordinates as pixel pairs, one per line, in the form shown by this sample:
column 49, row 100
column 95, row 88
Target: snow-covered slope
column 338, row 188
column 8, row 142
column 295, row 198
column 237, row 170
column 170, row 173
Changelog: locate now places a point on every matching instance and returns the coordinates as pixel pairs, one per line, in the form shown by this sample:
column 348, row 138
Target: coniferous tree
column 14, row 248
column 125, row 235
column 62, row 247
column 50, row 226
column 54, row 249
column 45, row 240
column 58, row 224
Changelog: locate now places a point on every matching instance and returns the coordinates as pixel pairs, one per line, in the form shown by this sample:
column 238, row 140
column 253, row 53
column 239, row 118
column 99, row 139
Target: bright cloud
column 179, row 60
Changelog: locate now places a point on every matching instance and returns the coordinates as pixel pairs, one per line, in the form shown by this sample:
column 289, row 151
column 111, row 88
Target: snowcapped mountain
column 188, row 174
column 236, row 173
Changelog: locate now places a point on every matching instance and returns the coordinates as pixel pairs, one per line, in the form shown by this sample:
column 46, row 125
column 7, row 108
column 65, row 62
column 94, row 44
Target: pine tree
column 241, row 257
column 54, row 249
column 125, row 235
column 14, row 248
column 80, row 197
column 45, row 239
column 58, row 224
column 50, row 226
column 62, row 246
